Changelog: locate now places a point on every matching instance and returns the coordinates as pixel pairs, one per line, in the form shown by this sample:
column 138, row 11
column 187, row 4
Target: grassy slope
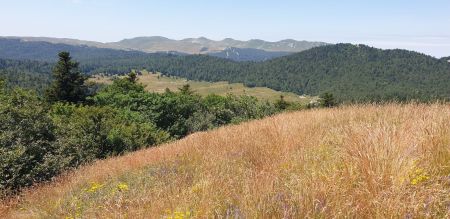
column 158, row 83
column 357, row 161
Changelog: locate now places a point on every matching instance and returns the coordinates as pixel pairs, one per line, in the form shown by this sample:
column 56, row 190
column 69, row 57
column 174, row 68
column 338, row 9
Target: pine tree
column 186, row 89
column 68, row 82
column 327, row 100
column 132, row 77
column 281, row 104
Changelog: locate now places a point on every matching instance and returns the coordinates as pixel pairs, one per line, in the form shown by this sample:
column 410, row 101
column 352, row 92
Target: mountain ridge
column 200, row 45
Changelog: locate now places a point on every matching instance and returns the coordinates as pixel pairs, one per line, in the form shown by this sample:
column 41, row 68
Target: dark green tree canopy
column 68, row 84
column 327, row 100
column 186, row 90
column 132, row 77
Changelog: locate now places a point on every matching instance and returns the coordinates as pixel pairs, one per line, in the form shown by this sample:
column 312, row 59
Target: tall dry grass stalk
column 356, row 161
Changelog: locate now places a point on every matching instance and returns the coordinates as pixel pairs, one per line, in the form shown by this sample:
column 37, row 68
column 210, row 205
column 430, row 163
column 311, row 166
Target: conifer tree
column 132, row 77
column 186, row 89
column 327, row 100
column 68, row 82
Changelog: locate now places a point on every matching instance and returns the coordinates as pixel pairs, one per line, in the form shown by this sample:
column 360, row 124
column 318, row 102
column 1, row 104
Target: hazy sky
column 421, row 25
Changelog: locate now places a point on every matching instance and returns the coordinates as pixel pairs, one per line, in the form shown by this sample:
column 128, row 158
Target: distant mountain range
column 203, row 45
column 252, row 50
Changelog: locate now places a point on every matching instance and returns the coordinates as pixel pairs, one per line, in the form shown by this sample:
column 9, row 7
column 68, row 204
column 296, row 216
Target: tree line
column 352, row 73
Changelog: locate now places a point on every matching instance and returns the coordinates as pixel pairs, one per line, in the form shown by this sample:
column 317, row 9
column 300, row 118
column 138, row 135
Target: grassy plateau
column 363, row 161
column 155, row 82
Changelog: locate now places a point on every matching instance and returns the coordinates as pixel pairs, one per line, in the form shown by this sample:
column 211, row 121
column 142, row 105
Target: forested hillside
column 350, row 72
column 28, row 74
column 44, row 51
column 358, row 73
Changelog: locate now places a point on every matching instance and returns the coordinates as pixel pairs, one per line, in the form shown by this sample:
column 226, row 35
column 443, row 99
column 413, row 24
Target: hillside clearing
column 355, row 161
column 155, row 82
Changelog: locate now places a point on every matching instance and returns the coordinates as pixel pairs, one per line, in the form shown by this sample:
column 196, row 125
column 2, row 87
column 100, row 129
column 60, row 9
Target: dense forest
column 358, row 73
column 28, row 74
column 350, row 72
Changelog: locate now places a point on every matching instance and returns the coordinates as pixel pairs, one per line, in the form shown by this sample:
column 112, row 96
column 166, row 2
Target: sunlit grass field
column 365, row 161
column 155, row 82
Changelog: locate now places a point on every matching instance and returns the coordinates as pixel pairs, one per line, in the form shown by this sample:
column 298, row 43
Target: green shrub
column 27, row 149
column 38, row 141
column 86, row 133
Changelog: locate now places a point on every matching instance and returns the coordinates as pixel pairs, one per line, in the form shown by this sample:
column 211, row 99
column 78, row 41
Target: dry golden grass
column 356, row 161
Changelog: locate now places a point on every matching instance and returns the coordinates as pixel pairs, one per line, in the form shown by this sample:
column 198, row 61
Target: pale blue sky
column 421, row 25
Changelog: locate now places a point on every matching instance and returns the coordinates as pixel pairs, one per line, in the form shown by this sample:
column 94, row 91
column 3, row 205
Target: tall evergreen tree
column 68, row 84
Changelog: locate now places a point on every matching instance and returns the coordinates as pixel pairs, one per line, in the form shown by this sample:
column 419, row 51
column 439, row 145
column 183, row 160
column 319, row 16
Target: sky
column 420, row 25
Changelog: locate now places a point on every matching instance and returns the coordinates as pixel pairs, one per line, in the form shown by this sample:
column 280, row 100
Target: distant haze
column 408, row 24
column 252, row 50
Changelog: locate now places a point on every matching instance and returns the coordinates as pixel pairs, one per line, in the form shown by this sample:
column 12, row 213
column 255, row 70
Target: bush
column 38, row 141
column 27, row 149
column 86, row 133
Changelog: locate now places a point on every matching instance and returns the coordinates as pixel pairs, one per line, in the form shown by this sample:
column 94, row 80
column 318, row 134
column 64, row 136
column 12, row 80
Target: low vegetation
column 366, row 161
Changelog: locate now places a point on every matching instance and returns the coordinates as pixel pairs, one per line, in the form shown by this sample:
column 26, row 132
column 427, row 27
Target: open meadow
column 155, row 82
column 362, row 161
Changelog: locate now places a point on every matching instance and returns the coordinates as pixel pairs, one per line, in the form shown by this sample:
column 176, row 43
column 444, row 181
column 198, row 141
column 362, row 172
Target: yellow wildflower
column 122, row 187
column 94, row 187
column 419, row 176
